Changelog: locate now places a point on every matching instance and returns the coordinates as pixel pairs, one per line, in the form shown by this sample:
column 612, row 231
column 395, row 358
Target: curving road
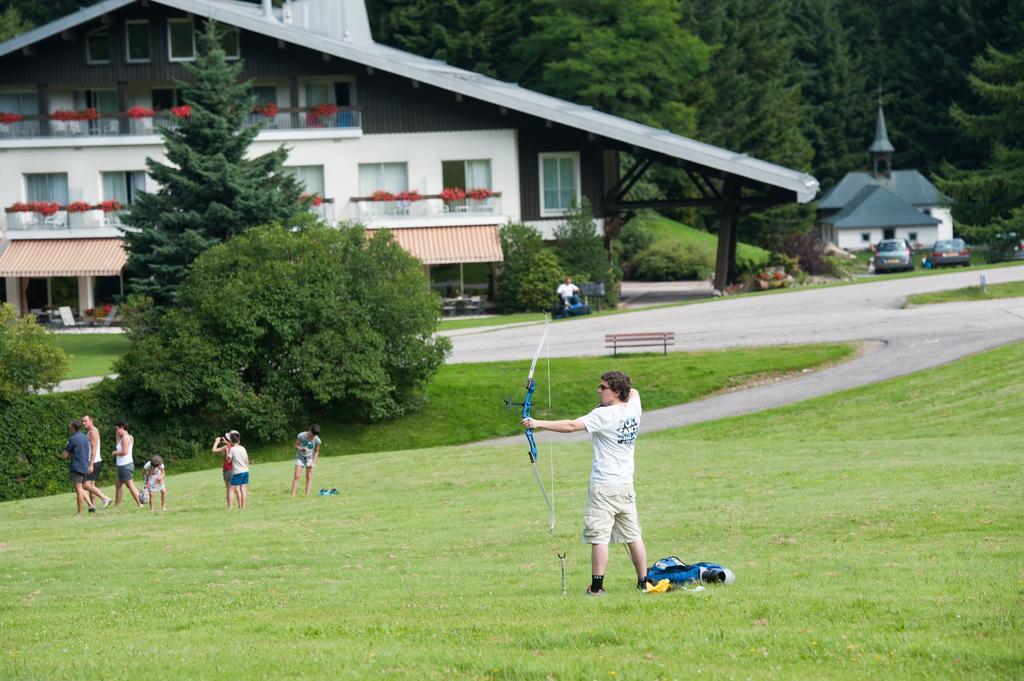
column 907, row 340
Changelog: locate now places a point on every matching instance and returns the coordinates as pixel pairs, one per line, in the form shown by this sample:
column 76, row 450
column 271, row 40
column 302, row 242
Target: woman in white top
column 125, row 464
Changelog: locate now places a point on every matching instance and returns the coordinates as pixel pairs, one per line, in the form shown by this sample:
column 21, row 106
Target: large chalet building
column 376, row 133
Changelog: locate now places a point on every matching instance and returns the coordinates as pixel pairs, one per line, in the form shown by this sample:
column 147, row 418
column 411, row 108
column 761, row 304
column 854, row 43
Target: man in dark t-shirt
column 76, row 452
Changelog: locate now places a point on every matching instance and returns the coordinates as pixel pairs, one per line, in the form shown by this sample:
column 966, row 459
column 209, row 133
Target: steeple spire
column 881, row 149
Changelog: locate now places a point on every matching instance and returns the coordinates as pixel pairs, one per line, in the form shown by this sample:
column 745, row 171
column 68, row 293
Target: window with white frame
column 123, row 186
column 474, row 174
column 329, row 92
column 559, row 182
column 181, row 40
column 138, row 49
column 388, row 177
column 47, row 187
column 22, row 103
column 97, row 47
column 310, row 177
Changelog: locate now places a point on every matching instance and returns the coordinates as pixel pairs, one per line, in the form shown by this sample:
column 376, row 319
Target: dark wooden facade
column 389, row 103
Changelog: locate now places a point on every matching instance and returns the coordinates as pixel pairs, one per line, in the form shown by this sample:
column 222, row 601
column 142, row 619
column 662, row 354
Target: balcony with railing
column 140, row 121
column 412, row 205
column 45, row 216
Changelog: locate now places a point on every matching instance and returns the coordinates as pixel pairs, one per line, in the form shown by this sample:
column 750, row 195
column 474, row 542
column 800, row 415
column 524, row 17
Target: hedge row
column 34, row 430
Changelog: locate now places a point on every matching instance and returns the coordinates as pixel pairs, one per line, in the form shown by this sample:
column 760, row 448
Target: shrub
column 809, row 251
column 274, row 323
column 672, row 261
column 29, row 356
column 519, row 245
column 538, row 288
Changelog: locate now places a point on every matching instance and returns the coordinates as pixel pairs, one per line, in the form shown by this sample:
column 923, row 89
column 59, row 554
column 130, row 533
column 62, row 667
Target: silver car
column 894, row 255
column 950, row 252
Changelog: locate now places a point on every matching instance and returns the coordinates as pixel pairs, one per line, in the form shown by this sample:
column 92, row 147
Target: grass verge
column 91, row 354
column 894, row 556
column 1013, row 289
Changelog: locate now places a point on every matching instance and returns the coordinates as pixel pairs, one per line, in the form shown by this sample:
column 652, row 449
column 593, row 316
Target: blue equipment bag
column 678, row 572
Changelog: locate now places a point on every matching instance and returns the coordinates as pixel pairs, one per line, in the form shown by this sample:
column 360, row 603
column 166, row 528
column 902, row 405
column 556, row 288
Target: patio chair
column 66, row 317
column 109, row 319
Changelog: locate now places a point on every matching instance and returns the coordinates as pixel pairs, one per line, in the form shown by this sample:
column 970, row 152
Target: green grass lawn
column 858, row 556
column 1013, row 289
column 665, row 229
column 91, row 354
column 466, row 401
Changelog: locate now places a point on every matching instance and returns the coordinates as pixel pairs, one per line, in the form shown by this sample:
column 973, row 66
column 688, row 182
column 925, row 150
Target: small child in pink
column 153, row 473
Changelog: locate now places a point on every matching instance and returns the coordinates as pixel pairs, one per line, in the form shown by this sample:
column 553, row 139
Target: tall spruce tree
column 210, row 190
column 985, row 194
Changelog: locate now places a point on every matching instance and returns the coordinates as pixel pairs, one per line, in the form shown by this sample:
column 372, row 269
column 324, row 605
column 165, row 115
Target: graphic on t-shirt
column 628, row 431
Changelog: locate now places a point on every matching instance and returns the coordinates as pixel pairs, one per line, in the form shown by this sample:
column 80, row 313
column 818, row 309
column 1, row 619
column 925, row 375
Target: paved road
column 904, row 340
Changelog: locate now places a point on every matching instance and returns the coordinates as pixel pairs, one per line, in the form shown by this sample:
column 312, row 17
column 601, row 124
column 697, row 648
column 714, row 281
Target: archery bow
column 526, row 404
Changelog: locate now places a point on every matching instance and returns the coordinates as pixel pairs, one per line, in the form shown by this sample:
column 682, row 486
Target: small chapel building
column 866, row 207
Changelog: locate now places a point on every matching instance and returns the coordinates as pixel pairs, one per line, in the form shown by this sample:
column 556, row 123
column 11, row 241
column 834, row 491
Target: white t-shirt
column 239, row 459
column 613, row 431
column 123, row 458
column 566, row 290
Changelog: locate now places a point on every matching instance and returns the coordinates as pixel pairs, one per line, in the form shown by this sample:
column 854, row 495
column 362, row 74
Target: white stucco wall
column 340, row 157
column 851, row 239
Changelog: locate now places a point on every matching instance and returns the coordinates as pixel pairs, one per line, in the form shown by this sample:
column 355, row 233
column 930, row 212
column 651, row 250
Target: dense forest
column 789, row 81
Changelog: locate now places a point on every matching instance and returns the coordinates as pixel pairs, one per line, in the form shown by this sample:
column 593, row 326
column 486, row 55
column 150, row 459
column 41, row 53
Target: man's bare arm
column 563, row 426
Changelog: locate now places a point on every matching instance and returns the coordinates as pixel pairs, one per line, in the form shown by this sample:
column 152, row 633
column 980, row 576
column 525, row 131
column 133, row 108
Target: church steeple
column 881, row 149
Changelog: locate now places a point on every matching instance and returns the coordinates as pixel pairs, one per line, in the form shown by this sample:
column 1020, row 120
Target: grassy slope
column 664, row 229
column 1013, row 289
column 856, row 557
column 91, row 354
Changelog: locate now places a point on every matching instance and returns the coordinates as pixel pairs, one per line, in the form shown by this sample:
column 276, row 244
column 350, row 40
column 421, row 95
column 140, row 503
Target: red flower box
column 479, row 194
column 10, row 117
column 89, row 114
column 78, row 207
column 453, row 194
column 183, row 111
column 316, row 200
column 109, row 206
column 381, row 195
column 139, row 112
column 19, row 207
column 409, row 196
column 46, row 208
column 269, row 110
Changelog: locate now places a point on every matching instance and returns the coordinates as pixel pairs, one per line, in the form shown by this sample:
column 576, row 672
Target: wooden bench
column 639, row 340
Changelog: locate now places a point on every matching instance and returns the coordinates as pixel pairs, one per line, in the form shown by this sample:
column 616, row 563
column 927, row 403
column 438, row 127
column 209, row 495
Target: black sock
column 596, row 583
column 641, row 582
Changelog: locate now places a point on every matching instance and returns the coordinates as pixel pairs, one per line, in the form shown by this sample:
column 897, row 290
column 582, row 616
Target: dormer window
column 137, row 43
column 181, row 40
column 97, row 47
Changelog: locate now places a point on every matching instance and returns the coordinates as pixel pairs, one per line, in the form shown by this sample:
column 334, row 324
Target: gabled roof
column 910, row 185
column 876, row 206
column 430, row 72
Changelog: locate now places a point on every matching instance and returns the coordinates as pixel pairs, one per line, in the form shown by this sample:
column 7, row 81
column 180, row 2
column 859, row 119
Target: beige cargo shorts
column 610, row 515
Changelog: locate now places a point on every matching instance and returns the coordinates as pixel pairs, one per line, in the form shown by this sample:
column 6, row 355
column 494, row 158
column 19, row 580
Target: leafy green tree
column 631, row 59
column 209, row 190
column 984, row 195
column 538, row 288
column 12, row 23
column 519, row 244
column 278, row 323
column 29, row 356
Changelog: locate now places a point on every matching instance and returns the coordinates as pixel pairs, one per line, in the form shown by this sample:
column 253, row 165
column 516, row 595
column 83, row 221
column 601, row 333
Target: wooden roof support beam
column 728, row 230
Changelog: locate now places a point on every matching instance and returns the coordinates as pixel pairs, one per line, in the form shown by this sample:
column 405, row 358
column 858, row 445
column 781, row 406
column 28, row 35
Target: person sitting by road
column 567, row 291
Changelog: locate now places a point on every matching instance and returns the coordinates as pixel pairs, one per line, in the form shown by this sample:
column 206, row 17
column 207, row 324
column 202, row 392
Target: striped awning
column 63, row 258
column 448, row 245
